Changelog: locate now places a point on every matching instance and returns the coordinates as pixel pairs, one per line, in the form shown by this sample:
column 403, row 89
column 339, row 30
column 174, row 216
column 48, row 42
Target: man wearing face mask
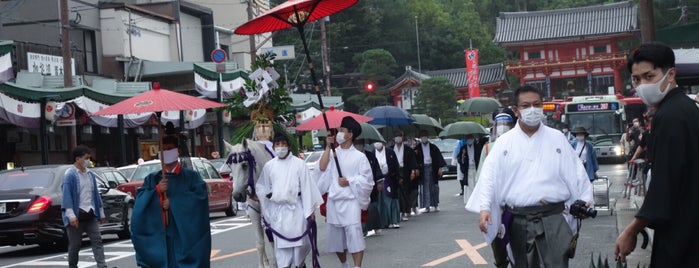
column 172, row 214
column 82, row 207
column 388, row 167
column 372, row 218
column 585, row 152
column 468, row 158
column 289, row 197
column 533, row 174
column 672, row 148
column 430, row 161
column 407, row 172
column 566, row 132
column 348, row 194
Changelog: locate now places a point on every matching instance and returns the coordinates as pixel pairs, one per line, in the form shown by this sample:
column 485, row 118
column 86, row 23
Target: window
column 534, row 55
column 600, row 49
column 90, row 52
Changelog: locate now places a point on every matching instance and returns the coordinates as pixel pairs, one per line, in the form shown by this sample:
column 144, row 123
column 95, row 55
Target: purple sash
column 311, row 231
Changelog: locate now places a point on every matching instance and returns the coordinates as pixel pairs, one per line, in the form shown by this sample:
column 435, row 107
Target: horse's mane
column 258, row 151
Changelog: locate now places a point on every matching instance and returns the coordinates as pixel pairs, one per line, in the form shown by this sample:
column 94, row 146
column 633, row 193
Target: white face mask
column 398, row 139
column 378, row 145
column 532, row 116
column 85, row 163
column 424, row 140
column 169, row 156
column 340, row 138
column 281, row 151
column 650, row 93
column 580, row 138
column 565, row 131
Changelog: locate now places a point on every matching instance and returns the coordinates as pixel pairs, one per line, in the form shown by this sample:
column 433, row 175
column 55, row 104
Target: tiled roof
column 408, row 74
column 488, row 74
column 615, row 18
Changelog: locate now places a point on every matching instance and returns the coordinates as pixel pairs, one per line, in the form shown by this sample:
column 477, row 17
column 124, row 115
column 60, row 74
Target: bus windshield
column 598, row 123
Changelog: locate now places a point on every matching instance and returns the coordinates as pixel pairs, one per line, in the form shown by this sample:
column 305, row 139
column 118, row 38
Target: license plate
column 2, row 208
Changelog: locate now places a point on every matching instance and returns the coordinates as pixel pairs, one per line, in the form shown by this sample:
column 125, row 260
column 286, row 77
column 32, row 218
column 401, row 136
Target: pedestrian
column 81, row 207
column 566, row 131
column 431, row 162
column 408, row 171
column 533, row 174
column 373, row 220
column 172, row 215
column 673, row 151
column 626, row 143
column 348, row 193
column 469, row 157
column 586, row 152
column 288, row 197
column 502, row 123
column 388, row 168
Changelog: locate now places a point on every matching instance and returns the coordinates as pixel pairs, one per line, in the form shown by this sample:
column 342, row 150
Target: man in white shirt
column 348, row 191
column 534, row 174
column 288, row 197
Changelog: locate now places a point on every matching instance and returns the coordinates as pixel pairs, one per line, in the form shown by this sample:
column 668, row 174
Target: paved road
column 449, row 238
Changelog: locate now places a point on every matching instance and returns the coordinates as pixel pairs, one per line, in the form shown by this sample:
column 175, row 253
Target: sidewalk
column 625, row 209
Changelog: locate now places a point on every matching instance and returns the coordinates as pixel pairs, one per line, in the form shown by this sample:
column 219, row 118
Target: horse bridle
column 246, row 156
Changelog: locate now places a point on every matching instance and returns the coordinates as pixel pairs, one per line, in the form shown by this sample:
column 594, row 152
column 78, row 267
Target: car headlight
column 617, row 150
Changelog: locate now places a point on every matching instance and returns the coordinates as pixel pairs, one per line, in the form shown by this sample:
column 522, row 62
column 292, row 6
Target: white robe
column 344, row 204
column 286, row 211
column 522, row 171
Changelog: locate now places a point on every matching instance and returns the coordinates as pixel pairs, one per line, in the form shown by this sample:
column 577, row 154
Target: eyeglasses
column 525, row 105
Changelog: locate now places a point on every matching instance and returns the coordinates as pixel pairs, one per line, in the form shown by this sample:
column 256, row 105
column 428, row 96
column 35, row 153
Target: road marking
column 214, row 252
column 466, row 249
column 86, row 259
column 234, row 254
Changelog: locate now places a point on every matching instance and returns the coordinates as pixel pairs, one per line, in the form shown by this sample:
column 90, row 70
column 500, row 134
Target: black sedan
column 30, row 207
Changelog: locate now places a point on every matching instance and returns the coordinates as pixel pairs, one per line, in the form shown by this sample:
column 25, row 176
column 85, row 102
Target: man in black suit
column 468, row 158
column 407, row 174
column 388, row 169
column 430, row 161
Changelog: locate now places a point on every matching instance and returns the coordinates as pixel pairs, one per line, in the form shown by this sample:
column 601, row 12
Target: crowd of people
column 529, row 184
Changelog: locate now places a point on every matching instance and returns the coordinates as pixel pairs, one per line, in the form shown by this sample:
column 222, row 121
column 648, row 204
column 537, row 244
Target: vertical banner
column 474, row 89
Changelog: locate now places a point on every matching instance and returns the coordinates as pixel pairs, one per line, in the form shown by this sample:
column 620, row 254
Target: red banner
column 474, row 89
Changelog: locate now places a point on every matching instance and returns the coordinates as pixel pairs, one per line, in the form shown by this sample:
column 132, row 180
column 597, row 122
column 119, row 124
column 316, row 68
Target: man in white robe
column 533, row 174
column 288, row 196
column 348, row 194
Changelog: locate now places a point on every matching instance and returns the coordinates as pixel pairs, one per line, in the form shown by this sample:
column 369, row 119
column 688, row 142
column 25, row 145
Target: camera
column 578, row 209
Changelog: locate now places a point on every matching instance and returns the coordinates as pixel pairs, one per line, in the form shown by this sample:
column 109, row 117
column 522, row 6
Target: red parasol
column 296, row 13
column 334, row 119
column 157, row 100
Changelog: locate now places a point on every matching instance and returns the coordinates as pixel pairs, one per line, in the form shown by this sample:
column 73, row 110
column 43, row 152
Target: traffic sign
column 218, row 55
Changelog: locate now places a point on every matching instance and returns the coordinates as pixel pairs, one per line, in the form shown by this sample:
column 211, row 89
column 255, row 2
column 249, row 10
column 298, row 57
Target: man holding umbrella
column 431, row 161
column 348, row 194
column 172, row 214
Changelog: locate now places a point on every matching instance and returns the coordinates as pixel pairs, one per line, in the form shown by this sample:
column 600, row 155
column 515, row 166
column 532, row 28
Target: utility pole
column 67, row 70
column 647, row 21
column 324, row 54
column 253, row 50
column 417, row 40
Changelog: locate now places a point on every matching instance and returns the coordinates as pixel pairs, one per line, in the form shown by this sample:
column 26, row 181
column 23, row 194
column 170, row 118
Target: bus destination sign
column 588, row 107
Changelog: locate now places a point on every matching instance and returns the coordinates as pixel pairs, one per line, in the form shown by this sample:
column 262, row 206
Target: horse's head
column 246, row 161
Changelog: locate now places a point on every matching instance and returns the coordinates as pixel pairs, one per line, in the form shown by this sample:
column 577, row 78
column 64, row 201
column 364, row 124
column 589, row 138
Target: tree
column 436, row 98
column 377, row 67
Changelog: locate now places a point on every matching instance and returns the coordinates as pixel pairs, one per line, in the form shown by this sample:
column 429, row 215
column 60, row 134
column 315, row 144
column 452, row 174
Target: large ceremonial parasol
column 334, row 119
column 296, row 13
column 157, row 101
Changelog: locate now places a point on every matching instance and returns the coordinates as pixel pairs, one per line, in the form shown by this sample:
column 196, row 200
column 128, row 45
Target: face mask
column 169, row 156
column 650, row 93
column 565, row 130
column 359, row 147
column 532, row 116
column 636, row 124
column 424, row 140
column 499, row 130
column 580, row 138
column 85, row 163
column 398, row 139
column 340, row 138
column 281, row 151
column 469, row 141
column 378, row 145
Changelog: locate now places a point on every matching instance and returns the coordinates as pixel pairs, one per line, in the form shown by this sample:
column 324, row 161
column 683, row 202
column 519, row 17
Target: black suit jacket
column 376, row 172
column 437, row 160
column 463, row 158
column 409, row 164
column 393, row 174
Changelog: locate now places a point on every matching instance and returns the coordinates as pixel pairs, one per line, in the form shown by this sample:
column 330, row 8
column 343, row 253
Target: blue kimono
column 591, row 165
column 186, row 241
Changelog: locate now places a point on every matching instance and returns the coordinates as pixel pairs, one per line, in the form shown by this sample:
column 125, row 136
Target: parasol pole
column 317, row 89
column 162, row 169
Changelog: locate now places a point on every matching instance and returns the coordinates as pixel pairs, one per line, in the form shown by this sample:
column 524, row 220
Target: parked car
column 447, row 147
column 311, row 158
column 220, row 190
column 127, row 170
column 30, row 207
column 222, row 167
column 111, row 175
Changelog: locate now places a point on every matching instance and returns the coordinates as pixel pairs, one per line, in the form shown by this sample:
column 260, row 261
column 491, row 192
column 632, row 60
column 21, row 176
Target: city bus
column 603, row 117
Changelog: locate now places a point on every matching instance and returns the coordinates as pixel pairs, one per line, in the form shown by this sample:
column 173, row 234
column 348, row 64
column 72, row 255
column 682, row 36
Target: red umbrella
column 157, row 100
column 296, row 13
column 334, row 119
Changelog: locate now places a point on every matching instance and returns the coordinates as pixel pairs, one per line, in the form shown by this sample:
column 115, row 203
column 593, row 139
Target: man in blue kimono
column 172, row 216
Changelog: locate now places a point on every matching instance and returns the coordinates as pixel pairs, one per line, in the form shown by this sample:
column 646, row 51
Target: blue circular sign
column 218, row 55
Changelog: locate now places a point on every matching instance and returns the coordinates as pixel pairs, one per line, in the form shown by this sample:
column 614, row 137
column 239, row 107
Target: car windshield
column 143, row 170
column 127, row 171
column 220, row 164
column 596, row 123
column 313, row 156
column 446, row 145
column 25, row 180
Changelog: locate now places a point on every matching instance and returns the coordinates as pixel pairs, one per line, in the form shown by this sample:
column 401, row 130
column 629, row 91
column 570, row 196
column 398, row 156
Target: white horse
column 246, row 161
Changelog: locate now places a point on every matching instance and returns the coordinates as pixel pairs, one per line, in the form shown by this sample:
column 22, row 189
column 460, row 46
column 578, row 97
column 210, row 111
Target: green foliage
column 377, row 66
column 245, row 130
column 436, row 98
